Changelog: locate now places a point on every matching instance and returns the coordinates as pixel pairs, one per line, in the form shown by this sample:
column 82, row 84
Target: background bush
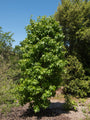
column 75, row 81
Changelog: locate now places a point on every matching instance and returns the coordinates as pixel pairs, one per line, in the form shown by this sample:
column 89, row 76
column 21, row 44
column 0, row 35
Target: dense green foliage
column 75, row 81
column 42, row 62
column 74, row 17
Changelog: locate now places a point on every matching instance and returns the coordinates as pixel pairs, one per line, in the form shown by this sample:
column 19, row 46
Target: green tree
column 42, row 62
column 5, row 43
column 74, row 17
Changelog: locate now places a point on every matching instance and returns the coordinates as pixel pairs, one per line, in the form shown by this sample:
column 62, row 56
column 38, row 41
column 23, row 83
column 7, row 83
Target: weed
column 84, row 110
column 82, row 100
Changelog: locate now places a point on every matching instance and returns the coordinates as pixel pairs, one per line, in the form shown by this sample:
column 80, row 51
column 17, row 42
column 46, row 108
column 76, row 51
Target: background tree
column 74, row 17
column 5, row 43
column 17, row 51
column 9, row 72
column 42, row 62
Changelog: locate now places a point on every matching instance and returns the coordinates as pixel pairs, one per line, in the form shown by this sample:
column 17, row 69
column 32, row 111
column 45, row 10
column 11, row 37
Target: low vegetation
column 9, row 73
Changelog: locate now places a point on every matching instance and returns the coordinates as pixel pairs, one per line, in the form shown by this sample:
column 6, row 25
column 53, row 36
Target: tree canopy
column 74, row 17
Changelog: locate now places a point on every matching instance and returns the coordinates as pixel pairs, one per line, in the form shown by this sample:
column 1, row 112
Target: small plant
column 82, row 100
column 86, row 115
column 88, row 106
column 69, row 103
column 84, row 110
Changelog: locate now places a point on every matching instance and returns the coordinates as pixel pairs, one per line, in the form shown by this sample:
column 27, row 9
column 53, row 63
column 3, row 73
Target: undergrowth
column 8, row 74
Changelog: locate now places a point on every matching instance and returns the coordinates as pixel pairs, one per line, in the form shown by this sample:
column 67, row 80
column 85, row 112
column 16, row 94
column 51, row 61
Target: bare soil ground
column 55, row 111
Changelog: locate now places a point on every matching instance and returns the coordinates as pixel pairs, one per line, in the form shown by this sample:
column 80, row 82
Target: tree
column 5, row 43
column 74, row 17
column 42, row 62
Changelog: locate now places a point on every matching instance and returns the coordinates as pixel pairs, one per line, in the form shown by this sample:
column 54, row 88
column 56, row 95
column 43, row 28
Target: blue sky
column 15, row 14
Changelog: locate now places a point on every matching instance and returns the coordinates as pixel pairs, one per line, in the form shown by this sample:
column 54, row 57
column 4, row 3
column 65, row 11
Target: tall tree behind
column 74, row 17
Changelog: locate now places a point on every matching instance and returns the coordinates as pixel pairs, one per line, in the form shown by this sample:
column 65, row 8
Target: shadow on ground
column 54, row 112
column 55, row 109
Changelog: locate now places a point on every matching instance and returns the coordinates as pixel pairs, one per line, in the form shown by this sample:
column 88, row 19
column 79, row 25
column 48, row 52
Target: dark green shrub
column 42, row 62
column 76, row 83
